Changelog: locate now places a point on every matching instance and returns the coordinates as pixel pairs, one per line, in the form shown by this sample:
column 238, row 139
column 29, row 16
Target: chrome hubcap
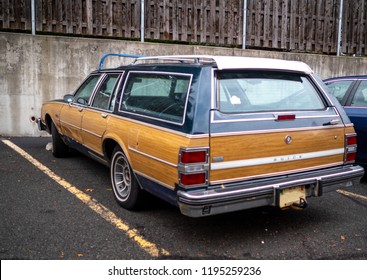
column 122, row 177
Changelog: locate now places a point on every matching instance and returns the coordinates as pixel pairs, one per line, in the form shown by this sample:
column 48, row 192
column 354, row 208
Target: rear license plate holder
column 288, row 196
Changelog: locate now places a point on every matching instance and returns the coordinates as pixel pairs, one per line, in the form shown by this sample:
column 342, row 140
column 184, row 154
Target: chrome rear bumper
column 217, row 200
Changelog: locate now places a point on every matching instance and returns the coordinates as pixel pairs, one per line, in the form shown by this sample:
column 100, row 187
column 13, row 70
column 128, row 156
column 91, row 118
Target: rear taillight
column 193, row 167
column 350, row 148
column 193, row 179
column 193, row 156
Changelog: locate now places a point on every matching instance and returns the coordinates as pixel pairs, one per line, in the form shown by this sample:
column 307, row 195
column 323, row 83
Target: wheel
column 59, row 148
column 124, row 184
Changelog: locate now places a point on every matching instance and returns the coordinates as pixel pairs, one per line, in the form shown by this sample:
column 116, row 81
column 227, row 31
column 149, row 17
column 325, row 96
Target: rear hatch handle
column 332, row 122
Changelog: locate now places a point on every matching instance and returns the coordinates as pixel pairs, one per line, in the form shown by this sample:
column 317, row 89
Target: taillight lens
column 193, row 167
column 350, row 148
column 193, row 179
column 286, row 117
column 193, row 157
column 351, row 139
column 350, row 157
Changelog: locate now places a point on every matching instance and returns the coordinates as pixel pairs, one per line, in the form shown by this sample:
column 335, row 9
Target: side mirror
column 82, row 101
column 69, row 98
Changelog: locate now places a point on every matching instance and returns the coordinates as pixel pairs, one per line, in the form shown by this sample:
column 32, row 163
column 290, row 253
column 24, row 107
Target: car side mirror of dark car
column 69, row 98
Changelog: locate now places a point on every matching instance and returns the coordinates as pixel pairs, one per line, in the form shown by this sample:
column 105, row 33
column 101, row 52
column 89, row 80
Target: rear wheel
column 125, row 186
column 59, row 148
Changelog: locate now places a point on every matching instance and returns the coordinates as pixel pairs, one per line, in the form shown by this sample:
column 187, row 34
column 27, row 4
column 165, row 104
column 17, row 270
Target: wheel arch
column 48, row 121
column 109, row 145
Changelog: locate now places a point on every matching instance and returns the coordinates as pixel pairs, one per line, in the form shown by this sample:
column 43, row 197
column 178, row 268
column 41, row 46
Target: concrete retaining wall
column 34, row 69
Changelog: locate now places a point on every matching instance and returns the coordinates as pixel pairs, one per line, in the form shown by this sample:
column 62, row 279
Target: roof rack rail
column 195, row 59
column 234, row 62
column 103, row 58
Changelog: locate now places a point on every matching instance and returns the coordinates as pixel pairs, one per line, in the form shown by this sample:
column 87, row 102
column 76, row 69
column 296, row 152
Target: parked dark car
column 351, row 91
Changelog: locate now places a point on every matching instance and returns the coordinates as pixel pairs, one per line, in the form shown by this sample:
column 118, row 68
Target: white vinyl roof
column 237, row 62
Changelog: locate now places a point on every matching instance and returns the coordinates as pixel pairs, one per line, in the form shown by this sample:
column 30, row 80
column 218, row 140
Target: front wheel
column 124, row 184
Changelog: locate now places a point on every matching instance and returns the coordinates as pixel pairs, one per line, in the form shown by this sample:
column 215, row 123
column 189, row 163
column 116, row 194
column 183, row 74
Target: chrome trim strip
column 69, row 124
column 153, row 157
column 295, row 171
column 213, row 121
column 276, row 159
column 92, row 133
column 252, row 132
column 359, row 107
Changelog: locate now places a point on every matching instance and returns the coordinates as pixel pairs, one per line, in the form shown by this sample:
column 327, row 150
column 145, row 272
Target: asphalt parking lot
column 64, row 209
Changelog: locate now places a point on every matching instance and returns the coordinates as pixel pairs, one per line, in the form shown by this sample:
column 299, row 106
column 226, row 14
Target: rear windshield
column 252, row 92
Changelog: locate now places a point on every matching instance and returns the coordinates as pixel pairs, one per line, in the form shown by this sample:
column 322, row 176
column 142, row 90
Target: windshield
column 254, row 91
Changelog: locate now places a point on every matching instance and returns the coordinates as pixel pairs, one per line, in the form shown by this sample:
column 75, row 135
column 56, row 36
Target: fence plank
column 302, row 25
column 6, row 12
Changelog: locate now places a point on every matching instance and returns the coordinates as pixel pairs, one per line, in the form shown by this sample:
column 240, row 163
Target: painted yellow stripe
column 350, row 194
column 151, row 248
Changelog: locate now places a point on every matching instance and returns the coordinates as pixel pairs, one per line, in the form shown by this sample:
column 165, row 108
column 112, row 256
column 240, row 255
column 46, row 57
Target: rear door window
column 104, row 96
column 260, row 92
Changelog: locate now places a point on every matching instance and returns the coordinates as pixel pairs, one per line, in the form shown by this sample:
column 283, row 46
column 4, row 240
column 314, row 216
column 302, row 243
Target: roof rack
column 195, row 59
column 222, row 62
column 103, row 58
column 234, row 62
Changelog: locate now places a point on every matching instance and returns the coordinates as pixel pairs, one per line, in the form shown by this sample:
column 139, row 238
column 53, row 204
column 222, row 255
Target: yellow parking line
column 151, row 248
column 352, row 194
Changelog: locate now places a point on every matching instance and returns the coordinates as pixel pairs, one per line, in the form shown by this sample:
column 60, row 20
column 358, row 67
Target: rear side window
column 104, row 97
column 258, row 92
column 156, row 95
column 360, row 97
column 339, row 88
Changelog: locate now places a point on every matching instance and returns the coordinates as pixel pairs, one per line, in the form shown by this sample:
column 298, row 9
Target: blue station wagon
column 209, row 134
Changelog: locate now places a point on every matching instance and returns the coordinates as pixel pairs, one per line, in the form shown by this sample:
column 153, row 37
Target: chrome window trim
column 121, row 110
column 274, row 113
column 100, row 81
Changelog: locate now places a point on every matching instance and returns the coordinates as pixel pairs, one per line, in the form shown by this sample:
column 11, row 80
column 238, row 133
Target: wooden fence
column 303, row 25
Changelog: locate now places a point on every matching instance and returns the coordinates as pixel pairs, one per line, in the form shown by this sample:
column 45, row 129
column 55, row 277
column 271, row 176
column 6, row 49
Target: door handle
column 80, row 109
column 103, row 115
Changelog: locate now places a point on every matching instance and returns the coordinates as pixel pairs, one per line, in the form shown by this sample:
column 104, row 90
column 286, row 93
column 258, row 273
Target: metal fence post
column 142, row 18
column 340, row 23
column 33, row 16
column 244, row 24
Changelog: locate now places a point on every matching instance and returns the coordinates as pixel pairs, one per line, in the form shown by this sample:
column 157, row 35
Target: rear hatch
column 271, row 123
